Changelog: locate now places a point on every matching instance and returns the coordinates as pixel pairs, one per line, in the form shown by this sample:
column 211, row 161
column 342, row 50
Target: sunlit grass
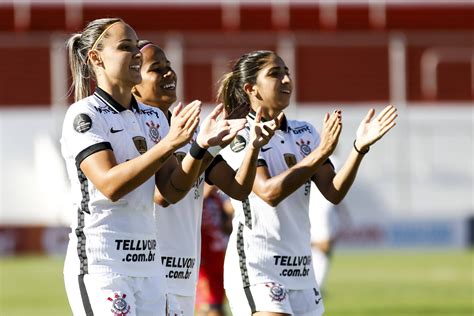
column 389, row 283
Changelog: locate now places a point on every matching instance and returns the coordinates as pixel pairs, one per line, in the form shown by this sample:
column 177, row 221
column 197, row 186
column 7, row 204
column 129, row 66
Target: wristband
column 359, row 151
column 214, row 150
column 196, row 151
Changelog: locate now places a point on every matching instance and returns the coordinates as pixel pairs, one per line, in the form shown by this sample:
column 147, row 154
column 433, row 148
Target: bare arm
column 115, row 180
column 238, row 185
column 275, row 189
column 175, row 185
column 334, row 186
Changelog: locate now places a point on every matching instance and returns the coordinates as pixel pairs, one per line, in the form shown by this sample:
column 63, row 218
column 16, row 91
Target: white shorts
column 273, row 297
column 181, row 305
column 114, row 294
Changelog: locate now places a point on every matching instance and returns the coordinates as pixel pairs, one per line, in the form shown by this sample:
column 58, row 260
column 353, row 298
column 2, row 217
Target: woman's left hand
column 370, row 131
column 215, row 132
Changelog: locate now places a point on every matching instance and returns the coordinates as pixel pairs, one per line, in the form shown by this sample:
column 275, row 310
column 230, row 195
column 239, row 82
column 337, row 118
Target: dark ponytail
column 231, row 86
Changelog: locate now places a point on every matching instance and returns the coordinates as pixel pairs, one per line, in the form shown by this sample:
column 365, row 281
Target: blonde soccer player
column 115, row 148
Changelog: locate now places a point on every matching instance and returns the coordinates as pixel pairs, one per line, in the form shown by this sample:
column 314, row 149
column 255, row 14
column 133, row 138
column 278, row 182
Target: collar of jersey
column 114, row 105
column 283, row 125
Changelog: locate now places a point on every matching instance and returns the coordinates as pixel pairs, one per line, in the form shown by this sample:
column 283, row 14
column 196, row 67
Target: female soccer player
column 179, row 225
column 113, row 147
column 268, row 267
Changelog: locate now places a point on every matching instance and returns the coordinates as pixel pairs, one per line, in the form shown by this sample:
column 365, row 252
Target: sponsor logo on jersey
column 120, row 306
column 265, row 149
column 180, row 267
column 304, row 147
column 150, row 112
column 104, row 109
column 238, row 144
column 290, row 160
column 82, row 123
column 300, row 129
column 140, row 144
column 294, row 266
column 277, row 291
column 139, row 250
column 153, row 131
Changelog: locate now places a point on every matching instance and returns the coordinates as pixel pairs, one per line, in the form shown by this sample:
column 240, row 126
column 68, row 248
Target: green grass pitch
column 375, row 283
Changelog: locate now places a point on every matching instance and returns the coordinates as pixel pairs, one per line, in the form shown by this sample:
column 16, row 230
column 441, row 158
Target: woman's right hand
column 332, row 127
column 262, row 132
column 184, row 121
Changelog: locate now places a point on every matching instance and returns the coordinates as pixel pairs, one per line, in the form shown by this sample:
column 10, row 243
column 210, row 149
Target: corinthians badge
column 304, row 147
column 154, row 131
column 120, row 307
column 277, row 292
column 140, row 144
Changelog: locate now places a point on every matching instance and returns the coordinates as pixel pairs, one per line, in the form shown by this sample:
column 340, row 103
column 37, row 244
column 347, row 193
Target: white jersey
column 178, row 228
column 272, row 244
column 324, row 215
column 117, row 237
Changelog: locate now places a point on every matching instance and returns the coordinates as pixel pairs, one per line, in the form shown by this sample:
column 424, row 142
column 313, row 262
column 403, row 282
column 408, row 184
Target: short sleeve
column 234, row 153
column 83, row 133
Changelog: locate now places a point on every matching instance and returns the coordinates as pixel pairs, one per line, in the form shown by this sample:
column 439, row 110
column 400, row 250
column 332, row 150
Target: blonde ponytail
column 78, row 46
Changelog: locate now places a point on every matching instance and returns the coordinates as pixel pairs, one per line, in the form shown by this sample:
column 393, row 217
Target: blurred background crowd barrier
column 415, row 188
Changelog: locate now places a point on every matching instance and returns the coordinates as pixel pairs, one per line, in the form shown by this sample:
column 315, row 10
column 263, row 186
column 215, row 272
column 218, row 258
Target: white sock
column 320, row 266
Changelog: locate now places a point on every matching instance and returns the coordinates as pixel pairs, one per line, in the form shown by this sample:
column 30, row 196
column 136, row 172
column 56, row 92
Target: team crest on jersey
column 290, row 160
column 304, row 147
column 238, row 144
column 140, row 144
column 82, row 123
column 277, row 291
column 120, row 306
column 154, row 131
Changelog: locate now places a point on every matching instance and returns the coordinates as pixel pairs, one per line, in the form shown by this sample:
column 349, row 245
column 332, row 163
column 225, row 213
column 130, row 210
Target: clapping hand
column 370, row 131
column 332, row 127
column 184, row 121
column 262, row 132
column 214, row 132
